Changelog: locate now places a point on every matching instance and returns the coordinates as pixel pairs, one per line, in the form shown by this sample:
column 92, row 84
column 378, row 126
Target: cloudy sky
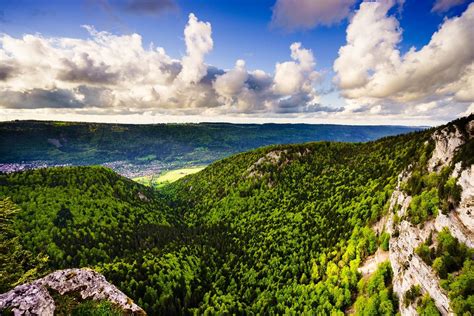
column 314, row 61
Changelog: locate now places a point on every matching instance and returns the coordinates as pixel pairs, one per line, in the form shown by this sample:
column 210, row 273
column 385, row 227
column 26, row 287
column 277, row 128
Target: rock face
column 272, row 157
column 465, row 210
column 276, row 157
column 447, row 142
column 408, row 268
column 35, row 299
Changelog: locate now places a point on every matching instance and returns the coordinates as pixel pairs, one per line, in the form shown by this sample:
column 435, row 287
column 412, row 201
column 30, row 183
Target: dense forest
column 95, row 143
column 277, row 230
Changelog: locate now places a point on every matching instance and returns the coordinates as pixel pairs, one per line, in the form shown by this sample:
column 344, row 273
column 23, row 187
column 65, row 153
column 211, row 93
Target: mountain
column 317, row 228
column 136, row 150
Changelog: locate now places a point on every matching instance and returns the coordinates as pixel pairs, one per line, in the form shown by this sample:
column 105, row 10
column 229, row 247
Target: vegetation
column 384, row 240
column 424, row 305
column 453, row 262
column 436, row 190
column 72, row 304
column 450, row 254
column 411, row 296
column 460, row 288
column 375, row 294
column 427, row 307
column 432, row 191
column 240, row 236
column 17, row 265
column 167, row 177
column 277, row 230
column 423, row 206
column 175, row 145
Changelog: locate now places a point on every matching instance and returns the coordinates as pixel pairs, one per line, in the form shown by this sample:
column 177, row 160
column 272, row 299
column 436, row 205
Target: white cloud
column 371, row 69
column 199, row 42
column 231, row 83
column 109, row 73
column 444, row 5
column 306, row 14
column 297, row 75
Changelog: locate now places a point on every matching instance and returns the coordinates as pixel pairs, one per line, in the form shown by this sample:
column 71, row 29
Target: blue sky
column 240, row 30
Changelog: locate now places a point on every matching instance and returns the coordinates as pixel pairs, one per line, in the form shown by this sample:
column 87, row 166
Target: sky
column 399, row 62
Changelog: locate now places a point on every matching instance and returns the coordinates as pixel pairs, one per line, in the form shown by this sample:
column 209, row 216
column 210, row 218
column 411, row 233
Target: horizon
column 348, row 62
column 217, row 122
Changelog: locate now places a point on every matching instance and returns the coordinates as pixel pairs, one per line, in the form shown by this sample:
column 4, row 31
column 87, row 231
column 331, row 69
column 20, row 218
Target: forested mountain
column 279, row 229
column 95, row 143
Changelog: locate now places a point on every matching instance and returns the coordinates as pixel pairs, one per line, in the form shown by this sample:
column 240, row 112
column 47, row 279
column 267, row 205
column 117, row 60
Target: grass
column 72, row 304
column 167, row 176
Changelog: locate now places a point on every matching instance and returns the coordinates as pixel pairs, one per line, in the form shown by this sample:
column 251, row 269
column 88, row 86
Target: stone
column 34, row 298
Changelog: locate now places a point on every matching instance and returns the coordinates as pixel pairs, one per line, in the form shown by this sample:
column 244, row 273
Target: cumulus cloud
column 290, row 90
column 444, row 5
column 85, row 70
column 296, row 75
column 371, row 69
column 306, row 14
column 6, row 71
column 199, row 42
column 107, row 73
column 231, row 83
column 40, row 98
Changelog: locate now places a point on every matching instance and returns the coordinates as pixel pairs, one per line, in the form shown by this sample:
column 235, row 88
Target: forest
column 176, row 144
column 277, row 230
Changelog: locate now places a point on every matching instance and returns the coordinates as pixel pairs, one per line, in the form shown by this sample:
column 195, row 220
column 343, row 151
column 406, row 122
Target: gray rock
column 34, row 298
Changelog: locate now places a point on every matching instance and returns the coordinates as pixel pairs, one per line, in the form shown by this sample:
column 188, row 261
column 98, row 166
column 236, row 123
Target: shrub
column 411, row 296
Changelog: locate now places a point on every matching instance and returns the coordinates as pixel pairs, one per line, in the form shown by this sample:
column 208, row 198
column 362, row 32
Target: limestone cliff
column 408, row 268
column 36, row 298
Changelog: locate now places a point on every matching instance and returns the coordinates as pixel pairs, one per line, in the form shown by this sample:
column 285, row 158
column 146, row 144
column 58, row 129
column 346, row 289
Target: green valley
column 281, row 229
column 148, row 150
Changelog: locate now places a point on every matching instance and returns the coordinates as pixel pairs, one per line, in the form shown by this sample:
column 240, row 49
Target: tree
column 17, row 265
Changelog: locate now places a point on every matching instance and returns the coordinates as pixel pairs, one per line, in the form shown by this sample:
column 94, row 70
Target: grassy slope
column 167, row 176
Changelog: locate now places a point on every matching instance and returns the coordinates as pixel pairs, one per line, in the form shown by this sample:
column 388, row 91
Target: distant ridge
column 160, row 146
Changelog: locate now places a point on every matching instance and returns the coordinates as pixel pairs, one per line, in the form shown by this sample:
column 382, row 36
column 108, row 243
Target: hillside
column 280, row 229
column 139, row 150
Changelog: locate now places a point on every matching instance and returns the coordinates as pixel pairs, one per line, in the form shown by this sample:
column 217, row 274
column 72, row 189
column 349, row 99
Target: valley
column 234, row 158
column 136, row 151
column 279, row 229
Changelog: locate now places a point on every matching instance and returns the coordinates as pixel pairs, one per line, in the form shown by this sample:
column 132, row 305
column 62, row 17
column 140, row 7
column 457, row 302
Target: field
column 166, row 177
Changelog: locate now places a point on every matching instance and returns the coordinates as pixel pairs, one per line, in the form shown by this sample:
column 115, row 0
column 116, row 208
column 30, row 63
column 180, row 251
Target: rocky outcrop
column 272, row 157
column 35, row 298
column 276, row 157
column 447, row 141
column 408, row 268
column 465, row 210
